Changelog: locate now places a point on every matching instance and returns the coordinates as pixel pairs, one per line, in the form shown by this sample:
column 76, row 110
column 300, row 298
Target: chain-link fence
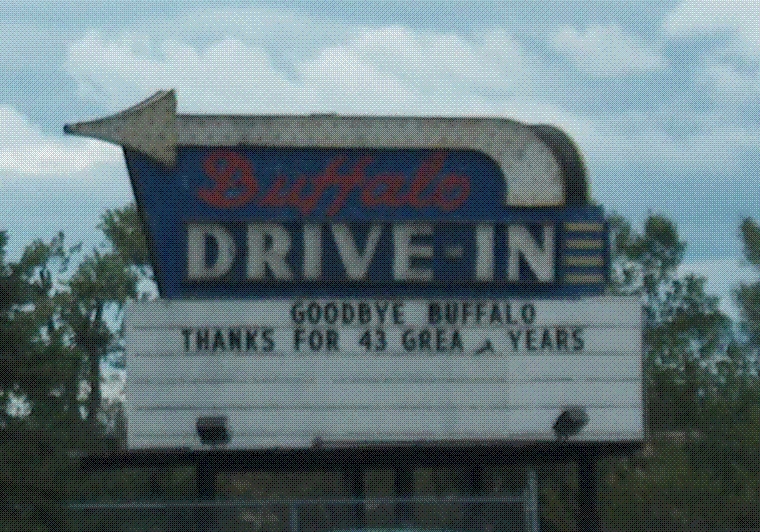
column 448, row 513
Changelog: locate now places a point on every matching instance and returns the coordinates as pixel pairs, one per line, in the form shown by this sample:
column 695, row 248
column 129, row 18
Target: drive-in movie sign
column 369, row 280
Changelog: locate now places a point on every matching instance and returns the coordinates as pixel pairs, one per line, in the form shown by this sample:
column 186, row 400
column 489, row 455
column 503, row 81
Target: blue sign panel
column 313, row 222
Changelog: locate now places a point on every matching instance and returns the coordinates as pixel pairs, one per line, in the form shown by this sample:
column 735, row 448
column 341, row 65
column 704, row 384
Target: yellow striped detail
column 584, row 278
column 584, row 227
column 594, row 243
column 584, row 261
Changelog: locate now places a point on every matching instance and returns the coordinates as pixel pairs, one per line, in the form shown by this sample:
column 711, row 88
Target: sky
column 662, row 98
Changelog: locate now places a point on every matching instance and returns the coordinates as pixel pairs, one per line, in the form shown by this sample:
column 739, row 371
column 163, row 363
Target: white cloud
column 700, row 143
column 387, row 70
column 289, row 32
column 607, row 51
column 732, row 70
column 395, row 70
column 25, row 150
column 494, row 58
column 703, row 17
column 728, row 81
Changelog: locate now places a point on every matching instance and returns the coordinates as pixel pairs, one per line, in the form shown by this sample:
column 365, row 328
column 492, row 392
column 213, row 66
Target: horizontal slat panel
column 315, row 394
column 429, row 389
column 584, row 227
column 239, row 441
column 372, row 368
column 513, row 341
column 606, row 366
column 327, row 394
column 601, row 311
column 299, row 428
column 604, row 423
column 594, row 393
column 337, row 423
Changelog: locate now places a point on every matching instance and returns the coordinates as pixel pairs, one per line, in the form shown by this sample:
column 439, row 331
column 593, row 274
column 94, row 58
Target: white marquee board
column 285, row 372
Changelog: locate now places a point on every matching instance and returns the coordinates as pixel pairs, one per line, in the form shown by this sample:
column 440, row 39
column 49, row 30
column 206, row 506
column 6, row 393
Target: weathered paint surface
column 153, row 128
column 268, row 206
column 265, row 222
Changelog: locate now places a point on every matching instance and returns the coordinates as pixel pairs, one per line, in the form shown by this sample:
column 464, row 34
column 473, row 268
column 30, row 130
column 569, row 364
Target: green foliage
column 103, row 282
column 53, row 334
column 701, row 464
column 103, row 278
column 123, row 229
column 645, row 260
column 558, row 484
column 700, row 467
column 685, row 333
column 36, row 361
column 658, row 491
column 748, row 295
column 750, row 233
column 40, row 367
column 704, row 475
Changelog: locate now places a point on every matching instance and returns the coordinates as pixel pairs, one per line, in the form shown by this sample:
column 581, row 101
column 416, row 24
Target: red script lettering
column 235, row 185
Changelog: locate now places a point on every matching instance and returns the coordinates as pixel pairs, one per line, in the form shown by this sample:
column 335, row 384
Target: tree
column 748, row 295
column 101, row 283
column 702, row 459
column 55, row 328
column 36, row 361
column 39, row 367
column 99, row 288
column 123, row 230
column 685, row 333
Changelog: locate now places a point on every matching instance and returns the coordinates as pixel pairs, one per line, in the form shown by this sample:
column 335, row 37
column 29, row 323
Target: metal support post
column 293, row 516
column 474, row 512
column 403, row 486
column 354, row 478
column 532, row 521
column 587, row 518
column 205, row 481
